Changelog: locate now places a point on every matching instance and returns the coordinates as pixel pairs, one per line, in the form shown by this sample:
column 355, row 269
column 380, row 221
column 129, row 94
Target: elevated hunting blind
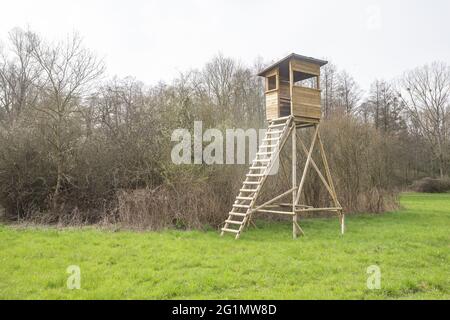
column 293, row 104
column 293, row 88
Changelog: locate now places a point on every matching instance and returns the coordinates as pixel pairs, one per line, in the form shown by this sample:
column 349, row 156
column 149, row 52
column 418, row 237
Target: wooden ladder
column 267, row 155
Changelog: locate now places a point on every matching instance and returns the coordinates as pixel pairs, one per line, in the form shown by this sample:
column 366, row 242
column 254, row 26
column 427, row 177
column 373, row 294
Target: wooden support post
column 291, row 87
column 294, row 153
column 342, row 223
column 294, row 182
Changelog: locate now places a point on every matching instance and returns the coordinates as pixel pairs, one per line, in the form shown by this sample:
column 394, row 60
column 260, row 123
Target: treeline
column 79, row 148
column 415, row 108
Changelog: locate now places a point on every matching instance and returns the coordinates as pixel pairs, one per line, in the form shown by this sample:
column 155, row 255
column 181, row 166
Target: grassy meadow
column 411, row 247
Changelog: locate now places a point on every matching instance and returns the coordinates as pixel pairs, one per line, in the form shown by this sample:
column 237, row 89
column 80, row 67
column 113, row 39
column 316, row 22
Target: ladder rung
column 263, row 153
column 230, row 230
column 246, row 206
column 244, row 198
column 237, row 214
column 261, row 160
column 271, row 147
column 274, row 132
column 280, row 119
column 255, row 175
column 234, row 222
column 247, row 190
column 271, row 139
column 258, row 168
column 276, row 125
column 251, row 182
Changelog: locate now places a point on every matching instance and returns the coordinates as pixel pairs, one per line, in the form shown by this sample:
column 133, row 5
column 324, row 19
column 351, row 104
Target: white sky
column 155, row 40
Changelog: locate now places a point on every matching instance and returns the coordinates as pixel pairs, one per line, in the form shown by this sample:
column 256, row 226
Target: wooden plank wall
column 306, row 102
column 307, row 95
column 272, row 111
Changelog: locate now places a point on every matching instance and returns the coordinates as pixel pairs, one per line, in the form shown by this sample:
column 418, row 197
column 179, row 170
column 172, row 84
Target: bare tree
column 329, row 88
column 68, row 71
column 348, row 92
column 18, row 73
column 425, row 92
column 384, row 107
column 219, row 75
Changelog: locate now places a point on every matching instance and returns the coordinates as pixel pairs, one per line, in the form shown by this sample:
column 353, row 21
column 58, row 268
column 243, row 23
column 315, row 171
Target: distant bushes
column 132, row 183
column 430, row 185
column 122, row 174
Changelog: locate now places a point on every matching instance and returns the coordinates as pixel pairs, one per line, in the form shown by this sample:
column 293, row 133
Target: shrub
column 430, row 185
column 25, row 173
column 186, row 205
column 362, row 164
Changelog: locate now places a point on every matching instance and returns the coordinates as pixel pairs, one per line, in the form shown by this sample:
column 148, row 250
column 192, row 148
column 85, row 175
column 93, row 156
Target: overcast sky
column 155, row 40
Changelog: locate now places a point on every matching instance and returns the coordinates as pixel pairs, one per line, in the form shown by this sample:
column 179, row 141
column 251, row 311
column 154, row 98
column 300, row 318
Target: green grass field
column 411, row 247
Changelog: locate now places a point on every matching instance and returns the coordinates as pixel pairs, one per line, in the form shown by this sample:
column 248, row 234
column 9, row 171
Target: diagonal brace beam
column 308, row 161
column 327, row 186
column 327, row 171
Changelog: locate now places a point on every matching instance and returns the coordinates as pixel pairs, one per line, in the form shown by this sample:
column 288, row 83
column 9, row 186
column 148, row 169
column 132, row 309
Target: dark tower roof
column 284, row 63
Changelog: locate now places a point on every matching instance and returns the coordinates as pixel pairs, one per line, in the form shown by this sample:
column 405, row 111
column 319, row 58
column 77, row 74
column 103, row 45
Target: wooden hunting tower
column 293, row 103
column 293, row 88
